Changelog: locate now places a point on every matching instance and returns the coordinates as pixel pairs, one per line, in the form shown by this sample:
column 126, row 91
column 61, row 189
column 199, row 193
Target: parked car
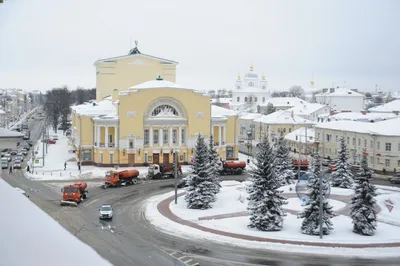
column 394, row 180
column 24, row 152
column 4, row 164
column 14, row 152
column 17, row 164
column 106, row 212
column 7, row 157
column 19, row 154
column 30, row 143
column 26, row 147
column 51, row 141
column 55, row 137
column 4, row 152
column 19, row 157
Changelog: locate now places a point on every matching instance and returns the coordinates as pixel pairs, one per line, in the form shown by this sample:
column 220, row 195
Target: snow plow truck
column 74, row 194
column 232, row 167
column 303, row 164
column 121, row 178
column 162, row 171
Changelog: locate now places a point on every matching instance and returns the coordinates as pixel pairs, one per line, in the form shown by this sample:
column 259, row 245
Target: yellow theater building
column 147, row 122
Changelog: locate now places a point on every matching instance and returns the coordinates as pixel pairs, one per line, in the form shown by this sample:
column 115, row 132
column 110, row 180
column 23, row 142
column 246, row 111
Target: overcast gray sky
column 48, row 43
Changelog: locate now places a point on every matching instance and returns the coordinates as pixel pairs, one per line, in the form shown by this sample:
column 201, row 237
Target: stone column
column 116, row 140
column 170, row 137
column 219, row 136
column 224, row 138
column 160, row 137
column 180, row 136
column 106, row 136
column 151, row 137
column 98, row 135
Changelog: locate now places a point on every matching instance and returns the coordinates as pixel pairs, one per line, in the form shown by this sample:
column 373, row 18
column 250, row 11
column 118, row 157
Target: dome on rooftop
column 251, row 73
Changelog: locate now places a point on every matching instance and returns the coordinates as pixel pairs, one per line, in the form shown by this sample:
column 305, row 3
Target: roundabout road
column 130, row 240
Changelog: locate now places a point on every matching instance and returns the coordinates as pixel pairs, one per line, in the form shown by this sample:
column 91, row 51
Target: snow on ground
column 295, row 204
column 61, row 152
column 232, row 198
column 393, row 216
column 20, row 246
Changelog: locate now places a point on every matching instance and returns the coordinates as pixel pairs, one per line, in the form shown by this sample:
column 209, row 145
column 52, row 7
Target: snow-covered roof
column 387, row 107
column 46, row 232
column 306, row 108
column 362, row 116
column 249, row 116
column 283, row 117
column 104, row 107
column 389, row 127
column 157, row 84
column 217, row 111
column 2, row 112
column 284, row 102
column 114, row 59
column 301, row 134
column 221, row 100
column 341, row 92
column 5, row 133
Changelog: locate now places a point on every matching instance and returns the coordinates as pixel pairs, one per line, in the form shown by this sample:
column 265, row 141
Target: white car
column 55, row 137
column 106, row 212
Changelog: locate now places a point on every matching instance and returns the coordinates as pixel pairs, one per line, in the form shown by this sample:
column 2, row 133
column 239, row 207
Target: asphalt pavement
column 130, row 240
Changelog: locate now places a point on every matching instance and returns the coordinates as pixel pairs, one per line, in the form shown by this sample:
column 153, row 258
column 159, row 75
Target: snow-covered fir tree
column 311, row 224
column 342, row 176
column 283, row 163
column 198, row 192
column 362, row 210
column 265, row 198
column 214, row 166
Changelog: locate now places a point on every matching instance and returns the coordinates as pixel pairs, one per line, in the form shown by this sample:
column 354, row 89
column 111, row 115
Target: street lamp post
column 249, row 145
column 321, row 203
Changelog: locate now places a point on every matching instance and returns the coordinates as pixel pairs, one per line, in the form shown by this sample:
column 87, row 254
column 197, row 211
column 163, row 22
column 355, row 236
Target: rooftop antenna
column 136, row 43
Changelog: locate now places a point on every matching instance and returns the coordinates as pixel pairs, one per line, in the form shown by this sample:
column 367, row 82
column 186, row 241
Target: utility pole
column 321, row 203
column 118, row 131
column 43, row 146
column 298, row 162
column 176, row 175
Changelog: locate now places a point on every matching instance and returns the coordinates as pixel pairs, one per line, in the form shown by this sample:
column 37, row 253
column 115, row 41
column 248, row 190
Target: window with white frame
column 337, row 138
column 290, row 129
column 348, row 140
column 174, row 137
column 388, row 146
column 398, row 147
column 146, row 137
column 165, row 137
column 398, row 163
column 378, row 145
column 245, row 99
column 238, row 99
column 263, row 99
column 354, row 141
column 111, row 158
column 183, row 136
column 387, row 162
column 146, row 157
column 371, row 144
column 255, row 99
column 365, row 143
column 359, row 142
column 131, row 144
column 155, row 136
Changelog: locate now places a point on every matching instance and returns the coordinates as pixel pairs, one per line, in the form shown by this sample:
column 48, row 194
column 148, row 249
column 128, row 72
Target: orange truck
column 232, row 167
column 74, row 194
column 121, row 178
column 303, row 164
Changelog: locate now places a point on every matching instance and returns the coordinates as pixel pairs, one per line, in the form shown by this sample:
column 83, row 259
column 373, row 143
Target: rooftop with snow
column 393, row 106
column 283, row 117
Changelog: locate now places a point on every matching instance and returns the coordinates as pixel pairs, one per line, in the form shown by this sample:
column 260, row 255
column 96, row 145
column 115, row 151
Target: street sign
column 389, row 204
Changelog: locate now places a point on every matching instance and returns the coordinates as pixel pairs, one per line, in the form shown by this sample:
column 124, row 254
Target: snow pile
column 393, row 216
column 21, row 236
column 296, row 204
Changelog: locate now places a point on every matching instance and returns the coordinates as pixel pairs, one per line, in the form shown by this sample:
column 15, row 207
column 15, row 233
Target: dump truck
column 303, row 164
column 74, row 194
column 232, row 167
column 162, row 171
column 121, row 178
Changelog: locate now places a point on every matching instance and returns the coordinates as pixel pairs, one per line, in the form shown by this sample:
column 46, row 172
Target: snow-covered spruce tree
column 342, row 176
column 362, row 209
column 198, row 192
column 283, row 163
column 311, row 224
column 265, row 199
column 214, row 166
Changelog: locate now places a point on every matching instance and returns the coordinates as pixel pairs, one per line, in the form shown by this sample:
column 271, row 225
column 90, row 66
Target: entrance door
column 166, row 158
column 131, row 159
column 156, row 158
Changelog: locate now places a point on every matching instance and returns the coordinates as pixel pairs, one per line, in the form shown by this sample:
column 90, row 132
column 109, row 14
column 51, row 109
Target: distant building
column 341, row 99
column 250, row 91
column 298, row 139
column 281, row 103
column 391, row 107
column 221, row 102
column 357, row 116
column 310, row 111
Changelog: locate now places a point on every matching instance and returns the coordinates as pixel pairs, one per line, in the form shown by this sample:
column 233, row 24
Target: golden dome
column 263, row 77
column 251, row 68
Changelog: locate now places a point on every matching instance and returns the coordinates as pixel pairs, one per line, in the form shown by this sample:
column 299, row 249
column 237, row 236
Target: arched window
column 164, row 110
column 238, row 99
column 245, row 99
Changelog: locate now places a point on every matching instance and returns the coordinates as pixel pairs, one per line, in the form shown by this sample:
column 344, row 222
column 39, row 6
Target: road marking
column 186, row 262
column 180, row 258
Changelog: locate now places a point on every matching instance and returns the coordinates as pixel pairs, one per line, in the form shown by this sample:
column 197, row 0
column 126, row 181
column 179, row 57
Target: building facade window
column 245, row 99
column 354, row 141
column 146, row 137
column 111, row 158
column 365, row 143
column 388, row 146
column 165, row 137
column 183, row 136
column 398, row 147
column 155, row 136
column 238, row 99
column 110, row 138
column 174, row 137
column 378, row 145
column 263, row 99
column 398, row 163
column 359, row 142
column 387, row 162
column 336, row 138
column 371, row 144
column 255, row 99
column 164, row 110
column 348, row 140
column 290, row 129
column 131, row 144
column 146, row 157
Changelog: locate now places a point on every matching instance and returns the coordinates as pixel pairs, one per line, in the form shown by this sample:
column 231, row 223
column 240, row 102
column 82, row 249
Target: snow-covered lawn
column 393, row 216
column 54, row 242
column 59, row 153
column 232, row 199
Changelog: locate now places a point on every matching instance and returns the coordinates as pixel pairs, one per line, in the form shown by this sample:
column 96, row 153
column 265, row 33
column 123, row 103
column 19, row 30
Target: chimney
column 115, row 95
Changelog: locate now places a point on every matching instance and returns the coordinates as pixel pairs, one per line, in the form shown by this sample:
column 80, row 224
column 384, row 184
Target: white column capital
column 219, row 136
column 106, row 137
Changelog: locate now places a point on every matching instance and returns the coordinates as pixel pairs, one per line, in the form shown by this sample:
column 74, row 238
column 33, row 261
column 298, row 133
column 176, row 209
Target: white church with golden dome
column 250, row 91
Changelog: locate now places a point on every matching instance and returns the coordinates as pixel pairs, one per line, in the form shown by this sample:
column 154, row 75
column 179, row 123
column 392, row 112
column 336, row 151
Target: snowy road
column 130, row 240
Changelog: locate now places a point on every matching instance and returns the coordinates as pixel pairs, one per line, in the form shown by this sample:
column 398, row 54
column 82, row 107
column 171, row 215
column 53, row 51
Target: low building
column 302, row 139
column 357, row 116
column 246, row 124
column 164, row 118
column 390, row 107
column 281, row 103
column 310, row 111
column 277, row 123
column 9, row 139
column 221, row 102
column 341, row 99
column 380, row 140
